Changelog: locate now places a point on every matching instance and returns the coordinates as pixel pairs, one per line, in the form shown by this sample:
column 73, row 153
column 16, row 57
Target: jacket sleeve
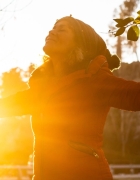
column 118, row 93
column 18, row 104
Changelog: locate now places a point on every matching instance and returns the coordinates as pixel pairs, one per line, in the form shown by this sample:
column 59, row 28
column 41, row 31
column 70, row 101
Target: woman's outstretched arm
column 118, row 92
column 18, row 104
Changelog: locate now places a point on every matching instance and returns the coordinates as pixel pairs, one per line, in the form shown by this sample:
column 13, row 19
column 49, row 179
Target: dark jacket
column 68, row 117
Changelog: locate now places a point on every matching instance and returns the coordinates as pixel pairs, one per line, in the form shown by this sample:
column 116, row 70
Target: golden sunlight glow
column 24, row 24
column 22, row 35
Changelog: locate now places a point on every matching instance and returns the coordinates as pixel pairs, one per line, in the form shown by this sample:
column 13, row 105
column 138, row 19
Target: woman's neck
column 59, row 66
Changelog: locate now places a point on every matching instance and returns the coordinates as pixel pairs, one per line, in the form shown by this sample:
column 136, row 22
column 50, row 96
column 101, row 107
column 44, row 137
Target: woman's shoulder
column 99, row 64
column 40, row 72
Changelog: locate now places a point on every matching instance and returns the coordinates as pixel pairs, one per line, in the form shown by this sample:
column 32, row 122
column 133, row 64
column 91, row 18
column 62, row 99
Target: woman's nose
column 53, row 31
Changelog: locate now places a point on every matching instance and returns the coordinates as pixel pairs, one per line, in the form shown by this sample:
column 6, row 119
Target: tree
column 17, row 141
column 123, row 123
column 123, row 20
column 14, row 80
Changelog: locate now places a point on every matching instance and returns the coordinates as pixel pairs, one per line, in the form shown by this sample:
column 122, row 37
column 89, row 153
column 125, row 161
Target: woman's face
column 60, row 40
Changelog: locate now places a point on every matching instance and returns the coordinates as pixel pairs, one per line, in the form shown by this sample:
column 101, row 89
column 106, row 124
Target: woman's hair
column 89, row 45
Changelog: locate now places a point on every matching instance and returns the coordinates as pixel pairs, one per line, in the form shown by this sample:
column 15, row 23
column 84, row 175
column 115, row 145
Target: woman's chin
column 48, row 50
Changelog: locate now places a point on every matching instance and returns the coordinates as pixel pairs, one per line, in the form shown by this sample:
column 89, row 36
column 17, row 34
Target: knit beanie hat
column 90, row 42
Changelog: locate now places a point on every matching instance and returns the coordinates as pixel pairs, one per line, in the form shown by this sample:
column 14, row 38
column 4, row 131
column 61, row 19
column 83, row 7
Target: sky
column 24, row 24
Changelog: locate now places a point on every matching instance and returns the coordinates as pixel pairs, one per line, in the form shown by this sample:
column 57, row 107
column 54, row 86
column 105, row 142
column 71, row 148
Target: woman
column 69, row 98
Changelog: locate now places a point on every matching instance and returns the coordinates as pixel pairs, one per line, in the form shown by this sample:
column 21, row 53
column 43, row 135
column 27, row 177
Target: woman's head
column 78, row 42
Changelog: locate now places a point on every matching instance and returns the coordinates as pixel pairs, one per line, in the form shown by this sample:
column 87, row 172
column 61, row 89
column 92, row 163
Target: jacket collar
column 96, row 64
column 66, row 81
column 53, row 86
